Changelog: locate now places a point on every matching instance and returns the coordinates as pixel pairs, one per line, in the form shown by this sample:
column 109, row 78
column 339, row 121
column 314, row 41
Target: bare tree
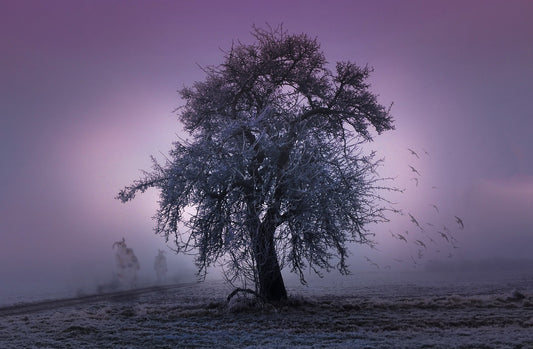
column 273, row 168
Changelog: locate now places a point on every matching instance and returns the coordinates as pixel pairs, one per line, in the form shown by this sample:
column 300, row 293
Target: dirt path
column 28, row 308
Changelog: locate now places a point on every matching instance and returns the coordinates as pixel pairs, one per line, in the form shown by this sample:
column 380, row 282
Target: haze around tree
column 274, row 173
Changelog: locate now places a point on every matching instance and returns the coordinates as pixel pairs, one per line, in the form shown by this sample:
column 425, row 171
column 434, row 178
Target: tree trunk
column 271, row 285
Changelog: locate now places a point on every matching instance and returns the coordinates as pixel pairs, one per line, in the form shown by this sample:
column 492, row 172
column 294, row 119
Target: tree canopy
column 273, row 168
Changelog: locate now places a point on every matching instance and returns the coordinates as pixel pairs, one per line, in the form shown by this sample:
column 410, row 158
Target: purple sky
column 88, row 89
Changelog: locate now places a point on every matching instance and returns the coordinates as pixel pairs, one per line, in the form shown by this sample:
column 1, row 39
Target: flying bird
column 460, row 222
column 401, row 237
column 415, row 221
column 373, row 246
column 435, row 207
column 444, row 236
column 413, row 152
column 372, row 262
column 430, row 239
column 414, row 169
column 420, row 243
column 425, row 151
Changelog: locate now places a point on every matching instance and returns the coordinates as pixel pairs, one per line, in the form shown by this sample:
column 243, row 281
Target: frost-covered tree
column 273, row 171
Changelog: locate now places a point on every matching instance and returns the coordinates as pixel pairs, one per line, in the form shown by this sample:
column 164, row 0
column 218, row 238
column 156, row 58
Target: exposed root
column 247, row 304
column 251, row 301
column 244, row 290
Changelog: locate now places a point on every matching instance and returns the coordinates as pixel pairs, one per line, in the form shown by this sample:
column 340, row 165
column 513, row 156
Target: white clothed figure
column 127, row 264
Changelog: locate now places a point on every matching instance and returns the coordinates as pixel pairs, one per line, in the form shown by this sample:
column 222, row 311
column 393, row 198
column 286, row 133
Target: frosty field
column 367, row 310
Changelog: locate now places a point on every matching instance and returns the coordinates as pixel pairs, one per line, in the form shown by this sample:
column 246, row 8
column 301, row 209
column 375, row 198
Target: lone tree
column 273, row 169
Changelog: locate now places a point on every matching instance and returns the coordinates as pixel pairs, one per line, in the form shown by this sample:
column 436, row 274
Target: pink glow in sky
column 88, row 89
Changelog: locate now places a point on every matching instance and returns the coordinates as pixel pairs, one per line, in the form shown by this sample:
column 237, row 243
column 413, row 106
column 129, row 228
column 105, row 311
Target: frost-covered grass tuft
column 245, row 303
column 516, row 295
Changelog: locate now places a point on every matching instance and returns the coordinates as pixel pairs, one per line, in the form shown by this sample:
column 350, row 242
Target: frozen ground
column 374, row 310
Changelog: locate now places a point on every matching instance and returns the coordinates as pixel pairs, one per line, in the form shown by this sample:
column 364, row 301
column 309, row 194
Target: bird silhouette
column 373, row 246
column 372, row 262
column 414, row 170
column 413, row 152
column 418, row 242
column 425, row 151
column 415, row 221
column 444, row 236
column 460, row 222
column 435, row 207
column 401, row 237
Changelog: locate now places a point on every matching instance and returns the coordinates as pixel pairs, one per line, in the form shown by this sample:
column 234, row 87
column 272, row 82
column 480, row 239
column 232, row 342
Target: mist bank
column 497, row 264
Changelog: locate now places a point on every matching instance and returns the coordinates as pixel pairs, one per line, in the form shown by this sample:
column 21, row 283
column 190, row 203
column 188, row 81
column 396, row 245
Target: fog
column 88, row 95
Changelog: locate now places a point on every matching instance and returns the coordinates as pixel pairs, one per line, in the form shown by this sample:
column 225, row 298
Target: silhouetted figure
column 127, row 264
column 160, row 266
